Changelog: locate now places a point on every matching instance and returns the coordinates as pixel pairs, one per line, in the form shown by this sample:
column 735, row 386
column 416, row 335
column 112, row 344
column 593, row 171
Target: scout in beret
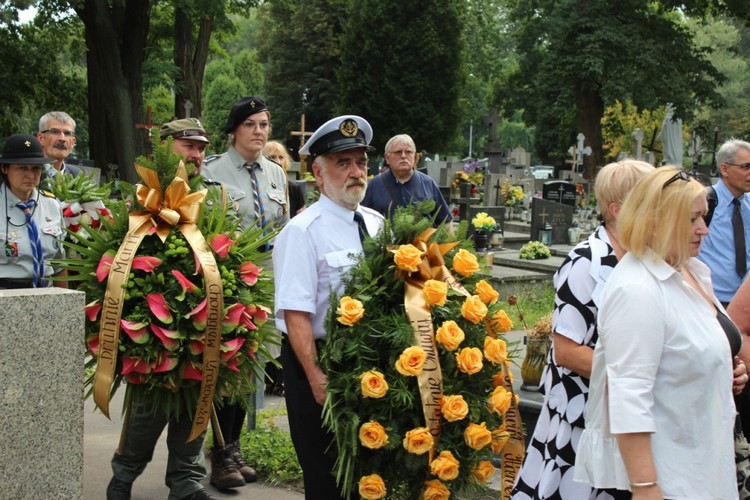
column 190, row 140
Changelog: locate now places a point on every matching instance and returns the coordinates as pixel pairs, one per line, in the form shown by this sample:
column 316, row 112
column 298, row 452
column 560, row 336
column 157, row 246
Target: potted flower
column 483, row 227
column 513, row 195
column 538, row 341
column 534, row 250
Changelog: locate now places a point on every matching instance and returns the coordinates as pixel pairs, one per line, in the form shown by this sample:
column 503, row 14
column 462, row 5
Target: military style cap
column 184, row 128
column 247, row 106
column 24, row 149
column 339, row 134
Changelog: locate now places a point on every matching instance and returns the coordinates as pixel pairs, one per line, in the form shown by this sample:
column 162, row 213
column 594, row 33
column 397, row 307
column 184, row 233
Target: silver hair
column 400, row 139
column 728, row 151
column 60, row 116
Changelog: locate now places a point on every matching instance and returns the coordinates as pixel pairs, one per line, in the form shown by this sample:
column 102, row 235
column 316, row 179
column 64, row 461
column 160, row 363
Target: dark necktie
column 35, row 241
column 362, row 227
column 740, row 254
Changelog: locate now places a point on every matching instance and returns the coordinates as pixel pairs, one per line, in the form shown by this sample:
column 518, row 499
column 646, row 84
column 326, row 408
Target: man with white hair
column 57, row 134
column 312, row 252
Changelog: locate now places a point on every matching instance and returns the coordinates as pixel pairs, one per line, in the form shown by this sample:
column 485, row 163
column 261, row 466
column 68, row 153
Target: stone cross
column 188, row 108
column 638, row 135
column 577, row 151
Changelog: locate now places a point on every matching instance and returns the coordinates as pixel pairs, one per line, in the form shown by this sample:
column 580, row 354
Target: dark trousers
column 742, row 402
column 231, row 417
column 310, row 439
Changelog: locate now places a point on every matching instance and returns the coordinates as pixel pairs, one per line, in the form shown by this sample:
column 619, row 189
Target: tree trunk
column 115, row 38
column 190, row 61
column 589, row 113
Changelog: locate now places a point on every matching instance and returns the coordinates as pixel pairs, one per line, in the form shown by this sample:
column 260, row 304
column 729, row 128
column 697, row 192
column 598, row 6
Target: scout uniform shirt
column 233, row 171
column 16, row 258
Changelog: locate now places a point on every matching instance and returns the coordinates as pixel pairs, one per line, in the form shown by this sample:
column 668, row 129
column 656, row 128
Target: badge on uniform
column 11, row 249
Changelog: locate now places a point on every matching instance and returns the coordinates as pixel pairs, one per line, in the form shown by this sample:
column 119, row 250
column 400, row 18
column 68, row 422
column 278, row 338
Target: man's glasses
column 56, row 131
column 745, row 167
column 402, row 152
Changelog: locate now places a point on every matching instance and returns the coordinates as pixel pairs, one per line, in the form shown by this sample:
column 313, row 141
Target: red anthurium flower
column 198, row 267
column 232, row 365
column 105, row 264
column 199, row 315
column 191, row 371
column 164, row 364
column 168, row 337
column 261, row 315
column 230, row 348
column 145, row 263
column 159, row 307
column 92, row 310
column 233, row 317
column 249, row 273
column 247, row 317
column 69, row 212
column 196, row 347
column 93, row 343
column 132, row 364
column 221, row 243
column 135, row 330
column 187, row 285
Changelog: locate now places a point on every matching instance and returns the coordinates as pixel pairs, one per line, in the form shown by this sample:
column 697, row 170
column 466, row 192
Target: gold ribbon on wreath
column 430, row 380
column 177, row 207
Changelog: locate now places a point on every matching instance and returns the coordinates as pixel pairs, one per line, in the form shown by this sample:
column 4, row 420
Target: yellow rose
column 485, row 292
column 411, row 361
column 473, row 309
column 469, row 360
column 465, row 263
column 499, row 437
column 450, row 335
column 454, row 408
column 500, row 322
column 445, row 466
column 407, row 258
column 372, row 435
column 435, row 292
column 350, row 311
column 435, row 490
column 500, row 400
column 373, row 384
column 484, row 471
column 372, row 487
column 418, row 441
column 477, row 436
column 495, row 350
column 499, row 378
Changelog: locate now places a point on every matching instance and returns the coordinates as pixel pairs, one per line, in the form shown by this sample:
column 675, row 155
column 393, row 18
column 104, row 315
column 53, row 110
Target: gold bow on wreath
column 430, row 380
column 179, row 207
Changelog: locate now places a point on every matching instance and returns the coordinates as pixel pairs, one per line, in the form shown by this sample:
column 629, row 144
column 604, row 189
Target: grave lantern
column 545, row 233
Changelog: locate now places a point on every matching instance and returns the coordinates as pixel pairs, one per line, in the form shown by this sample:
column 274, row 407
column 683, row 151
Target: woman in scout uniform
column 32, row 226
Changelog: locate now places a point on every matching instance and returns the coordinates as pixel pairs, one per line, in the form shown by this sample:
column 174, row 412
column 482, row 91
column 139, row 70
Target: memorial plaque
column 558, row 215
column 497, row 213
column 560, row 191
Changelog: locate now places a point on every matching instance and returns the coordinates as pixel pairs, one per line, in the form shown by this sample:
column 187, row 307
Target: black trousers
column 310, row 439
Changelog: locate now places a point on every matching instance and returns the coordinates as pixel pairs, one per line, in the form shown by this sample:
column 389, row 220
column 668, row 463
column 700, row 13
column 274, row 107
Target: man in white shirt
column 311, row 254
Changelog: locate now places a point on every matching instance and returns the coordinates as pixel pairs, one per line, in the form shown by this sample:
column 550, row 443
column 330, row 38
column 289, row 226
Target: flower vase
column 481, row 239
column 534, row 362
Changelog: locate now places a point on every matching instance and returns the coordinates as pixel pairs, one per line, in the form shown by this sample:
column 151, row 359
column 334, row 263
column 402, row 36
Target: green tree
column 249, row 70
column 577, row 56
column 403, row 68
column 222, row 92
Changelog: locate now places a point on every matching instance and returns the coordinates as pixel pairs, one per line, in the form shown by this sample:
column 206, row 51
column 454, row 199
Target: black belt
column 16, row 283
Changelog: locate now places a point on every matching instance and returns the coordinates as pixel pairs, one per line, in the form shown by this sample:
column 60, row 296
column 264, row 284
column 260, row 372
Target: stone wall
column 41, row 406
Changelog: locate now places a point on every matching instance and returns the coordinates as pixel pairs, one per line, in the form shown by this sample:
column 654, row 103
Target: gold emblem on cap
column 28, row 144
column 348, row 128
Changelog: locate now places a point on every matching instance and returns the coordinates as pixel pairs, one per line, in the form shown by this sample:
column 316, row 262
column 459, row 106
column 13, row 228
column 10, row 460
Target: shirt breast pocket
column 340, row 261
column 238, row 200
column 278, row 201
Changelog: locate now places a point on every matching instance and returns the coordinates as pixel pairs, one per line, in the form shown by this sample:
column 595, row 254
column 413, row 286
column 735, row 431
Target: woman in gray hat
column 32, row 228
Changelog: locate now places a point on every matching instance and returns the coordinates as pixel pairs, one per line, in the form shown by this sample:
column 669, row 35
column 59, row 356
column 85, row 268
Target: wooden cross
column 302, row 134
column 149, row 127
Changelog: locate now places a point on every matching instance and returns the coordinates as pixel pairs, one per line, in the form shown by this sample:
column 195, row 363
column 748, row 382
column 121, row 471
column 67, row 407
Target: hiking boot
column 224, row 473
column 201, row 494
column 118, row 490
column 247, row 472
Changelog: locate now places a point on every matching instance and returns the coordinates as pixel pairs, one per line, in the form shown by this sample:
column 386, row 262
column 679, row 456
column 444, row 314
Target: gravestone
column 492, row 194
column 497, row 213
column 558, row 215
column 560, row 191
column 41, row 366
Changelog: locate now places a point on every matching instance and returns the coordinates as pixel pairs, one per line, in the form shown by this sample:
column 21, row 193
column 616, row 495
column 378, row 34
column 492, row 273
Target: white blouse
column 662, row 365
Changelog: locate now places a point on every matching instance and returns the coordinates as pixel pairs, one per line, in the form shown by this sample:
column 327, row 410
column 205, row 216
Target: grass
column 534, row 301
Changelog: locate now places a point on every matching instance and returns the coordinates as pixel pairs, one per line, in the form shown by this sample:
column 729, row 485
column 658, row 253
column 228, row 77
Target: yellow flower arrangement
column 411, row 361
column 445, row 466
column 373, row 384
column 372, row 435
column 483, row 222
column 372, row 487
column 350, row 311
column 418, row 441
column 513, row 194
column 435, row 292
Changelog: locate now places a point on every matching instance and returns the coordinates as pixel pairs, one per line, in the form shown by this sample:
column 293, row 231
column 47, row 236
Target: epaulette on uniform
column 211, row 158
column 209, row 182
column 47, row 194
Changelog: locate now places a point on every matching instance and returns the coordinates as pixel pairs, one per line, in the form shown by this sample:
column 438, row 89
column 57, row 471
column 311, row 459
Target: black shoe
column 118, row 490
column 199, row 495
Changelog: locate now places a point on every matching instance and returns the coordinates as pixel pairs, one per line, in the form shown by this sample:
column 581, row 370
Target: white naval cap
column 339, row 134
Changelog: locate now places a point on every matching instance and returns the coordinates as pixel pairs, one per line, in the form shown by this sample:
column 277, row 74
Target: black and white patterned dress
column 547, row 471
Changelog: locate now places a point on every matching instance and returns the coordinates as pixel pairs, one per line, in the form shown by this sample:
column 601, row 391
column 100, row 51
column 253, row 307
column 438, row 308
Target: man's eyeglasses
column 745, row 167
column 57, row 131
column 401, row 152
column 681, row 175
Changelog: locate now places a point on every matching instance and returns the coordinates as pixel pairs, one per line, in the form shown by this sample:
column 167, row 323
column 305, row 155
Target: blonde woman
column 660, row 414
column 278, row 153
